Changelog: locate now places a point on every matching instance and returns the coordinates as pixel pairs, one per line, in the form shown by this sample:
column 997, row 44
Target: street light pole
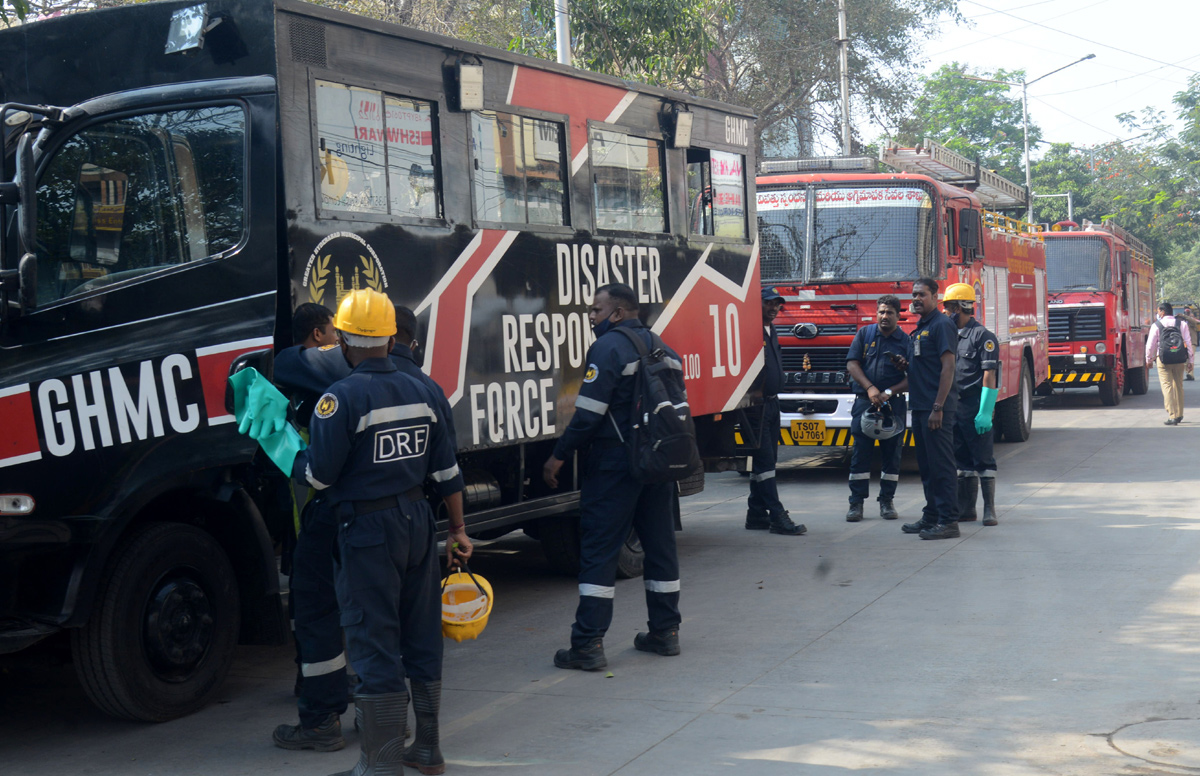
column 1024, row 84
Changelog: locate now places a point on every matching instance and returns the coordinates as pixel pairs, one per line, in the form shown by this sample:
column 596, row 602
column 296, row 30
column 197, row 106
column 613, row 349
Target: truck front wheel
column 1113, row 387
column 162, row 636
column 1014, row 415
column 1137, row 381
column 560, row 543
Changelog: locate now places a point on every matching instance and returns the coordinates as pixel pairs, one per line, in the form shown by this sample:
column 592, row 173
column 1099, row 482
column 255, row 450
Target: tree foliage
column 977, row 119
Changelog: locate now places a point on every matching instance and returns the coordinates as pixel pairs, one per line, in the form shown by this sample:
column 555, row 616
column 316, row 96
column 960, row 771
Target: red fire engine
column 836, row 234
column 1101, row 284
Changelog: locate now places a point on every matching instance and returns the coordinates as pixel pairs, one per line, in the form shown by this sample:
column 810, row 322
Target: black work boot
column 915, row 528
column 382, row 719
column 968, row 492
column 988, row 484
column 325, row 737
column 425, row 754
column 941, row 531
column 856, row 512
column 781, row 523
column 587, row 658
column 887, row 510
column 757, row 522
column 665, row 643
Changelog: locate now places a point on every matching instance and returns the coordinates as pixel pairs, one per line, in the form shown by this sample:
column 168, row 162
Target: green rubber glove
column 261, row 413
column 258, row 406
column 983, row 418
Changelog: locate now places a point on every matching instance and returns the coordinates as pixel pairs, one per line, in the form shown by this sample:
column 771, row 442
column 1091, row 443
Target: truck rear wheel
column 1137, row 380
column 560, row 543
column 1113, row 387
column 162, row 636
column 1014, row 415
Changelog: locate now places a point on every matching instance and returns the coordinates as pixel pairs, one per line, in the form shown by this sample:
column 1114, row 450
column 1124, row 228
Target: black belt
column 387, row 502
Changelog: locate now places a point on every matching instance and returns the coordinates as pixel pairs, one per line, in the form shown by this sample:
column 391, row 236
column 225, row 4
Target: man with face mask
column 612, row 500
column 976, row 365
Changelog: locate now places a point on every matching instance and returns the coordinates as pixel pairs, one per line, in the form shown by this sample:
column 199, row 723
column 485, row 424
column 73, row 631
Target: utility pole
column 562, row 31
column 844, row 57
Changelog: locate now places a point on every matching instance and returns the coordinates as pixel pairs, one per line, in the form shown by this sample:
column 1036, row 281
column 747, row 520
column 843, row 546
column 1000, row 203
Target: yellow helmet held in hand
column 466, row 605
column 366, row 313
column 959, row 292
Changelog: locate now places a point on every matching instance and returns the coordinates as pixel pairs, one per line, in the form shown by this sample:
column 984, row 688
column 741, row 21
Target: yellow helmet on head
column 959, row 292
column 366, row 314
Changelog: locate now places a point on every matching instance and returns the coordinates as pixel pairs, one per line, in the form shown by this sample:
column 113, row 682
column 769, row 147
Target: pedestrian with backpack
column 1170, row 344
column 633, row 432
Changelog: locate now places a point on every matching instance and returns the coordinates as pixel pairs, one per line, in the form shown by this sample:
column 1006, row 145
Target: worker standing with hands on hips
column 376, row 437
column 611, row 498
column 976, row 365
column 933, row 401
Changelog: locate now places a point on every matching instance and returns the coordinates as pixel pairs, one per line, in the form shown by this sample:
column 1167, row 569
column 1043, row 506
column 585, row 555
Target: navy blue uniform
column 764, row 488
column 871, row 349
column 376, row 437
column 402, row 357
column 978, row 352
column 611, row 499
column 934, row 335
column 304, row 374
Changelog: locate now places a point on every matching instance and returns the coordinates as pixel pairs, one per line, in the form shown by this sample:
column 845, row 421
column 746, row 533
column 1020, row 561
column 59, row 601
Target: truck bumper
column 1084, row 369
column 833, row 411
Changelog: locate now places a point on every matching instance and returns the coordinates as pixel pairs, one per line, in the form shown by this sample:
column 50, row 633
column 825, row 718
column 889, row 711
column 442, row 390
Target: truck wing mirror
column 27, row 192
column 1126, row 263
column 22, row 281
column 968, row 232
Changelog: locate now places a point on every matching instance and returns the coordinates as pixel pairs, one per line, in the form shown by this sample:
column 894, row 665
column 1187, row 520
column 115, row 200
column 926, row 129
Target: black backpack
column 662, row 444
column 1171, row 347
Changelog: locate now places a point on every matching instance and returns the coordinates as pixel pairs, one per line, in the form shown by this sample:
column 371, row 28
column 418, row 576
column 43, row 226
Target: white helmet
column 882, row 423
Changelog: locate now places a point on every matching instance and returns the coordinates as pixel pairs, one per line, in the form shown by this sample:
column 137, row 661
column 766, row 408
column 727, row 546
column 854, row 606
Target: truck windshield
column 859, row 233
column 1078, row 264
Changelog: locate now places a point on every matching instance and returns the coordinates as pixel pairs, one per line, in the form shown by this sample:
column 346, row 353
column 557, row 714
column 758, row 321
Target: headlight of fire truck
column 1101, row 347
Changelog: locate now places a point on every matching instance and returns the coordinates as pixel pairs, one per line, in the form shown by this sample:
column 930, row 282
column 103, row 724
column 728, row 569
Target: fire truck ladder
column 940, row 163
column 1141, row 251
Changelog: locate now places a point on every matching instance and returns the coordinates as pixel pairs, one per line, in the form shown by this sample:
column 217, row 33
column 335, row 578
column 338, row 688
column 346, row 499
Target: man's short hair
column 929, row 283
column 307, row 317
column 891, row 301
column 1166, row 309
column 406, row 324
column 625, row 297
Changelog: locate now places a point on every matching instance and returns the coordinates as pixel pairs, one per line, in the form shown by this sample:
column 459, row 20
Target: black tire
column 162, row 636
column 1113, row 387
column 560, row 543
column 692, row 484
column 1137, row 380
column 1014, row 415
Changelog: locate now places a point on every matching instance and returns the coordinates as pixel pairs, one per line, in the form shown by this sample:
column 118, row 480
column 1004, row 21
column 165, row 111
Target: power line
column 1074, row 118
column 1018, row 29
column 1126, row 78
column 1080, row 37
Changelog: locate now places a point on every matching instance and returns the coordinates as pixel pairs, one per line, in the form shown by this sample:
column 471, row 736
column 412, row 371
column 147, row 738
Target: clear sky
column 1145, row 50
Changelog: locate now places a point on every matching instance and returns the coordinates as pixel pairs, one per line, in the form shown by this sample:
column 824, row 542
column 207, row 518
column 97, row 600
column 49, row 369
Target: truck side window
column 628, row 182
column 124, row 198
column 519, row 164
column 716, row 193
column 376, row 153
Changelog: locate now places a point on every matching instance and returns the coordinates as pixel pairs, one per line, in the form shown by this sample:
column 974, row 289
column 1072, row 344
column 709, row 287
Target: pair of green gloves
column 261, row 413
column 983, row 418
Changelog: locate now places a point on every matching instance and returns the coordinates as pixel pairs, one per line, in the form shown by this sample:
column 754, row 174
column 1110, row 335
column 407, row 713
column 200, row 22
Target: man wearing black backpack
column 613, row 496
column 1170, row 344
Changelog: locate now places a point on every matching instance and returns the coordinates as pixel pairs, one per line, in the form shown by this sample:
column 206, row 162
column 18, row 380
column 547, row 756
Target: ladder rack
column 940, row 163
column 1141, row 251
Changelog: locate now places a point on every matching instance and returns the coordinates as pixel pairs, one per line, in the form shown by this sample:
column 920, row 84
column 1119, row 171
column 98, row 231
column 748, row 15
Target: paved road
column 1048, row 645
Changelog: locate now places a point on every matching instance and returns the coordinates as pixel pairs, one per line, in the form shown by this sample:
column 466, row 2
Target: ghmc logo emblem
column 341, row 263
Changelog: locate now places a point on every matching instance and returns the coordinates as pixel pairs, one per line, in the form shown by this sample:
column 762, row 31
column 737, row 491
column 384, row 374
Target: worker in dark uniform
column 404, row 356
column 872, row 363
column 933, row 400
column 976, row 366
column 376, row 437
column 611, row 499
column 304, row 372
column 764, row 510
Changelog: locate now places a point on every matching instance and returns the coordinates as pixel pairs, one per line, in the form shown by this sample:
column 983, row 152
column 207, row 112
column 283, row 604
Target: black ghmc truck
column 179, row 177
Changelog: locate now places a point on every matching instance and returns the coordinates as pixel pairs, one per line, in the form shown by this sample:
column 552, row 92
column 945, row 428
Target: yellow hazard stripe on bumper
column 1078, row 377
column 834, row 437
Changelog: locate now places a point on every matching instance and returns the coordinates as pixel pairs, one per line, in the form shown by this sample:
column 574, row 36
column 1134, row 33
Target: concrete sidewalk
column 1047, row 645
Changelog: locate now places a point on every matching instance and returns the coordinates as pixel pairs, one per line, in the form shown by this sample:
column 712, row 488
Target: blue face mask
column 602, row 327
